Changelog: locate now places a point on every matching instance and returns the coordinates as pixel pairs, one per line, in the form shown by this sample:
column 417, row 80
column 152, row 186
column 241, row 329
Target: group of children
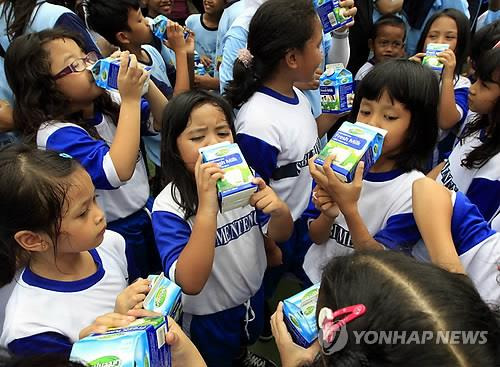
column 81, row 227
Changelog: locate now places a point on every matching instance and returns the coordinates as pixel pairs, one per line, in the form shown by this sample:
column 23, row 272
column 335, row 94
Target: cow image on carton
column 331, row 14
column 431, row 59
column 164, row 297
column 351, row 144
column 336, row 89
column 299, row 313
column 236, row 187
column 142, row 343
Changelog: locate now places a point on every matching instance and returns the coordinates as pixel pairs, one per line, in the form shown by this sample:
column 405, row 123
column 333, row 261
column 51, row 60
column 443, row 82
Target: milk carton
column 158, row 26
column 236, row 187
column 351, row 144
column 105, row 72
column 299, row 313
column 142, row 343
column 164, row 297
column 337, row 89
column 331, row 14
column 430, row 59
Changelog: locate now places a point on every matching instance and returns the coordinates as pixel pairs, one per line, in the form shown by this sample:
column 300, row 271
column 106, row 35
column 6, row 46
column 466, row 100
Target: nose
column 99, row 216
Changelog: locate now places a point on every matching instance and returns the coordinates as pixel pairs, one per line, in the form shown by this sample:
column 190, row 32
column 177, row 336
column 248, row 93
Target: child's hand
column 205, row 60
column 274, row 254
column 132, row 296
column 206, row 175
column 266, row 200
column 291, row 354
column 449, row 61
column 349, row 11
column 175, row 37
column 418, row 57
column 202, row 81
column 105, row 322
column 190, row 42
column 323, row 202
column 184, row 353
column 313, row 84
column 346, row 195
column 131, row 77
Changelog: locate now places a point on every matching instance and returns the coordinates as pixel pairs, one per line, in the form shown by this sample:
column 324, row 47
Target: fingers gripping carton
column 236, row 187
column 351, row 144
column 331, row 14
column 159, row 25
column 164, row 297
column 299, row 313
column 336, row 88
column 431, row 59
column 142, row 343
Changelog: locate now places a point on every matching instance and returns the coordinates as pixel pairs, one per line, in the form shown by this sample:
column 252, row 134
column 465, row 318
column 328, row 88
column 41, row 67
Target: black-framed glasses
column 78, row 65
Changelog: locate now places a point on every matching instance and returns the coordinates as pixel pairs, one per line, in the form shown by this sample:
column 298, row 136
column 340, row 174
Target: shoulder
column 193, row 19
column 165, row 201
column 462, row 82
column 48, row 128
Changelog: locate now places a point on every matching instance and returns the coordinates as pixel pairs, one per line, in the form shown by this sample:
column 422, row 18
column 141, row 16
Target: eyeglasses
column 78, row 65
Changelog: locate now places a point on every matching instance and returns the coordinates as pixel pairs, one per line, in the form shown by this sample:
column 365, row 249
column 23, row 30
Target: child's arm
column 431, row 197
column 6, row 118
column 157, row 103
column 194, row 264
column 320, row 228
column 206, row 82
column 105, row 322
column 280, row 225
column 175, row 41
column 448, row 114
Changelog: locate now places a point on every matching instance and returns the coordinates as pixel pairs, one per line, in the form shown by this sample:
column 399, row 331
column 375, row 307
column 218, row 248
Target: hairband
column 245, row 57
column 329, row 326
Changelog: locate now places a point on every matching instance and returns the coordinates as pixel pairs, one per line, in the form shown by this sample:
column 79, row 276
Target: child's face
column 309, row 58
column 443, row 30
column 389, row 43
column 483, row 96
column 156, row 7
column 213, row 6
column 207, row 125
column 388, row 115
column 83, row 223
column 78, row 87
column 139, row 33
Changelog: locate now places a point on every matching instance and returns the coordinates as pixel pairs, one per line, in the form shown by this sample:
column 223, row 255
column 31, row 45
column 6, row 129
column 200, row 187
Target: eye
column 196, row 138
column 390, row 117
column 364, row 112
column 224, row 133
column 84, row 213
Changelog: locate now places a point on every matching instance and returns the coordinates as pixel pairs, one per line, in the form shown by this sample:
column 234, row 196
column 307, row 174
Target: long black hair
column 175, row 120
column 488, row 70
column 277, row 27
column 417, row 88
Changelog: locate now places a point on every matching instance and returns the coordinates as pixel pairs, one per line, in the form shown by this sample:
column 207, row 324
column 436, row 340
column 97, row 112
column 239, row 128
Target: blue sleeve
column 400, row 232
column 232, row 46
column 485, row 194
column 166, row 89
column 262, row 218
column 461, row 5
column 86, row 150
column 259, row 155
column 461, row 99
column 468, row 227
column 43, row 343
column 311, row 212
column 73, row 23
column 171, row 234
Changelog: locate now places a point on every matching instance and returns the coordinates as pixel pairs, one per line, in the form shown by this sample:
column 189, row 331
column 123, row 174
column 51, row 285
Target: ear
column 292, row 58
column 31, row 241
column 122, row 38
column 370, row 44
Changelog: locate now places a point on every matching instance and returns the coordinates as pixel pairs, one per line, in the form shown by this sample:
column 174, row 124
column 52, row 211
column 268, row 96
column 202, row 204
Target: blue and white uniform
column 46, row 316
column 480, row 185
column 385, row 205
column 214, row 316
column 228, row 17
column 477, row 245
column 205, row 40
column 363, row 70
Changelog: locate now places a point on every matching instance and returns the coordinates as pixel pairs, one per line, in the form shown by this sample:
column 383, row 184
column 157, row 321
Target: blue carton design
column 431, row 59
column 299, row 313
column 164, row 297
column 105, row 73
column 142, row 343
column 331, row 14
column 351, row 144
column 159, row 25
column 336, row 88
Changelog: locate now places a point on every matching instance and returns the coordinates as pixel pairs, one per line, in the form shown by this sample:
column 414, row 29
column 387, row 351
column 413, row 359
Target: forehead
column 384, row 100
column 206, row 114
column 63, row 45
column 390, row 30
column 444, row 23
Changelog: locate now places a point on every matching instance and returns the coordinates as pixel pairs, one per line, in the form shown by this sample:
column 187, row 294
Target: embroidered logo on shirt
column 233, row 230
column 447, row 177
column 341, row 236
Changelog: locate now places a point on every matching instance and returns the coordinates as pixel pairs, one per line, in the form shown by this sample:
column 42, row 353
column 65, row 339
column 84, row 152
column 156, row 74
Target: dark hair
column 33, row 189
column 391, row 20
column 17, row 14
column 43, row 360
column 417, row 88
column 484, row 39
column 488, row 70
column 175, row 120
column 276, row 27
column 463, row 35
column 37, row 99
column 108, row 17
column 403, row 295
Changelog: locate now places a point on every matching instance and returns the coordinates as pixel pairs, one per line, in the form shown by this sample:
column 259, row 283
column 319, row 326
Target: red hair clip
column 328, row 324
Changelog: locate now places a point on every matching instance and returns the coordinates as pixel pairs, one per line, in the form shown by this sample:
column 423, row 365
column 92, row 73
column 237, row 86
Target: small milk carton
column 158, row 26
column 236, row 187
column 337, row 89
column 299, row 313
column 142, row 343
column 351, row 144
column 331, row 14
column 430, row 59
column 105, row 72
column 164, row 297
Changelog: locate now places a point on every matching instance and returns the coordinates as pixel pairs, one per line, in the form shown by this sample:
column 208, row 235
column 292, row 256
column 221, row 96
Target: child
column 72, row 269
column 401, row 97
column 474, row 164
column 408, row 314
column 59, row 107
column 451, row 27
column 456, row 236
column 205, row 28
column 218, row 259
column 387, row 42
column 158, row 7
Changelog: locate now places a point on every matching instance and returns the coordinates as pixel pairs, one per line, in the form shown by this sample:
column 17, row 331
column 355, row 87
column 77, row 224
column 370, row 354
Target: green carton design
column 236, row 187
column 331, row 14
column 351, row 144
column 336, row 87
column 164, row 297
column 431, row 59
